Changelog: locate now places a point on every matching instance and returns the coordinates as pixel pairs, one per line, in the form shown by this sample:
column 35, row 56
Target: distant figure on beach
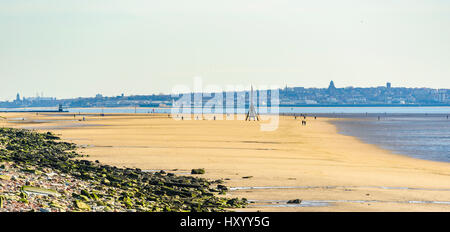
column 315, row 117
column 182, row 117
column 84, row 119
column 214, row 117
column 303, row 123
column 73, row 115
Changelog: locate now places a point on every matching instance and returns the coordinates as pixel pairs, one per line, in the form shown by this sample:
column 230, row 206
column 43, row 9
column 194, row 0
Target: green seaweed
column 135, row 189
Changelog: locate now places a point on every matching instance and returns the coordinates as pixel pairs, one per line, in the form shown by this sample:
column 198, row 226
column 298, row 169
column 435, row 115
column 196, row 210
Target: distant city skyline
column 79, row 48
column 97, row 95
column 287, row 96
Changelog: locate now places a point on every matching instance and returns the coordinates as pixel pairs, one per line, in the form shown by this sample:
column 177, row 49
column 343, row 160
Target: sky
column 73, row 48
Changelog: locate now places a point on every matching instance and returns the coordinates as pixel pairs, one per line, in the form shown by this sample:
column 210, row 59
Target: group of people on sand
column 304, row 118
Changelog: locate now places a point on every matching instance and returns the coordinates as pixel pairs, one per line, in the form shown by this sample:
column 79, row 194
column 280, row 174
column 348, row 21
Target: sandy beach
column 327, row 170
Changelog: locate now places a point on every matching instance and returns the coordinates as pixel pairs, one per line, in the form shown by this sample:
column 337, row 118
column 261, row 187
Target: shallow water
column 418, row 136
column 333, row 187
column 323, row 203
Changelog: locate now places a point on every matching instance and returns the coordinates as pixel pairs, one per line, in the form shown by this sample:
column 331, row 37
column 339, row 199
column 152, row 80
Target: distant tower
column 18, row 97
column 252, row 114
column 331, row 87
column 388, row 85
column 60, row 108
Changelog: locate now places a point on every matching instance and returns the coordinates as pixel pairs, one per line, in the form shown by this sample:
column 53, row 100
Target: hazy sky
column 70, row 48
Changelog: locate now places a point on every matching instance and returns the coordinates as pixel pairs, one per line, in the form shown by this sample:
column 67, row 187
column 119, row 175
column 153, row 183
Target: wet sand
column 327, row 170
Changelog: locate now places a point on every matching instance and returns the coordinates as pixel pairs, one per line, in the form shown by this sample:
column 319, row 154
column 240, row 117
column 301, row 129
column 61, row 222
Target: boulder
column 198, row 171
column 295, row 201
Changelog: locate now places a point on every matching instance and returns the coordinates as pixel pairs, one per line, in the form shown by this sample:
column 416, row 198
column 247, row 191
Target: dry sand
column 316, row 162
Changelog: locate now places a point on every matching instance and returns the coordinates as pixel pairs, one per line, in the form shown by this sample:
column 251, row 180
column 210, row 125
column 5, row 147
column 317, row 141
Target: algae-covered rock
column 110, row 187
column 42, row 191
column 5, row 177
column 198, row 171
column 81, row 205
column 2, row 201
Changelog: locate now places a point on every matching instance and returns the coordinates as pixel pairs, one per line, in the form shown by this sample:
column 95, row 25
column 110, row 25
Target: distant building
column 388, row 85
column 18, row 97
column 331, row 87
column 98, row 96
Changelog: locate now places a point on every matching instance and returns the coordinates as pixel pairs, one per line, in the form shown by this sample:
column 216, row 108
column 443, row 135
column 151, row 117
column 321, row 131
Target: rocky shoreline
column 40, row 173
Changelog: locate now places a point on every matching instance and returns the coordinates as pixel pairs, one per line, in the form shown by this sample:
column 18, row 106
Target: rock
column 81, row 205
column 84, row 198
column 42, row 191
column 44, row 210
column 198, row 171
column 2, row 201
column 247, row 177
column 5, row 177
column 56, row 205
column 222, row 187
column 52, row 164
column 85, row 193
column 295, row 201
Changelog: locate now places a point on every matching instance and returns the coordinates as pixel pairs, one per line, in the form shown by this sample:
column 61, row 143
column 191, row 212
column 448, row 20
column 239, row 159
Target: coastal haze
column 78, row 48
